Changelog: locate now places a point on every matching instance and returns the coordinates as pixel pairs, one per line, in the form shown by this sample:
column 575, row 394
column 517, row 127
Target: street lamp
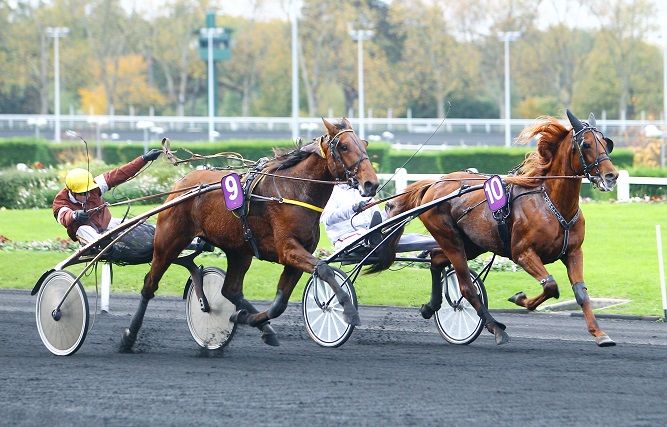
column 507, row 37
column 210, row 34
column 360, row 36
column 295, row 71
column 56, row 33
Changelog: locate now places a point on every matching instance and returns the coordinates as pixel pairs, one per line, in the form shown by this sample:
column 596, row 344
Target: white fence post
column 401, row 180
column 106, row 286
column 623, row 186
column 658, row 236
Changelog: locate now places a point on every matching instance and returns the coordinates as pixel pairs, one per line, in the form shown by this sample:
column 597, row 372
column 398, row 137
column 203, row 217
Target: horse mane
column 414, row 193
column 539, row 162
column 285, row 158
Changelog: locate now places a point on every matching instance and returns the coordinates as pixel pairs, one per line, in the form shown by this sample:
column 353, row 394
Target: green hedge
column 489, row 160
column 24, row 150
column 37, row 188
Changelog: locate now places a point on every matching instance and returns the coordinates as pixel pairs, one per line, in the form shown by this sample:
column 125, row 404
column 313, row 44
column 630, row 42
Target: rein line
column 377, row 202
column 151, row 196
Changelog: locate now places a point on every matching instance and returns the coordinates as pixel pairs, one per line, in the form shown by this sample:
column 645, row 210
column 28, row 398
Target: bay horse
column 544, row 221
column 283, row 218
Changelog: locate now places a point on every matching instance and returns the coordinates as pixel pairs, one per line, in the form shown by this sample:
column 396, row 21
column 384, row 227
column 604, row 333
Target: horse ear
column 610, row 144
column 331, row 129
column 347, row 123
column 313, row 148
column 575, row 122
column 591, row 120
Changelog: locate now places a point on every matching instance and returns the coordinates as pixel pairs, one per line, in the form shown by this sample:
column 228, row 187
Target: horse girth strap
column 561, row 220
column 302, row 204
column 279, row 199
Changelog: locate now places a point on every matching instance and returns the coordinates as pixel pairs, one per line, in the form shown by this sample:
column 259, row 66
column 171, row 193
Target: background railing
column 622, row 131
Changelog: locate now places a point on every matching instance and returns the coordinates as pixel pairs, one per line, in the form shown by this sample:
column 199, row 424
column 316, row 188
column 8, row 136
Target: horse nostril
column 611, row 176
column 370, row 188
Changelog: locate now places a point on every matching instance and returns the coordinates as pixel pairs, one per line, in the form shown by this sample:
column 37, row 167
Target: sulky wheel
column 457, row 320
column 323, row 313
column 62, row 331
column 213, row 329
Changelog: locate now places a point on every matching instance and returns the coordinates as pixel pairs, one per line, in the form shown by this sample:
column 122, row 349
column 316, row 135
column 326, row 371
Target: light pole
column 360, row 36
column 507, row 37
column 295, row 72
column 56, row 33
column 210, row 34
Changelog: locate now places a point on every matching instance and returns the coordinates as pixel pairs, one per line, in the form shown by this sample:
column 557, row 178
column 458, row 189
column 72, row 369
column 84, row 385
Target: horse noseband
column 578, row 141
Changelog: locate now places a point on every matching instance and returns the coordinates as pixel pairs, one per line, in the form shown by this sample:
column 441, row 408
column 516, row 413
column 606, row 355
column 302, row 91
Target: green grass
column 620, row 256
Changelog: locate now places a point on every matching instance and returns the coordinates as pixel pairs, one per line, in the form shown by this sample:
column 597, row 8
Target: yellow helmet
column 79, row 181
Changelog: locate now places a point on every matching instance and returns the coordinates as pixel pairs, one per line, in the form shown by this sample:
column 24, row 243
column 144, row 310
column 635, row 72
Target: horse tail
column 412, row 197
column 385, row 254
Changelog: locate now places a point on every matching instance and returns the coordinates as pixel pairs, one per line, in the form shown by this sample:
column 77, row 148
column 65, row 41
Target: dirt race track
column 394, row 370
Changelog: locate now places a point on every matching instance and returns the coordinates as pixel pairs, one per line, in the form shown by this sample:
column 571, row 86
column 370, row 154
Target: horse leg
column 244, row 310
column 532, row 264
column 288, row 280
column 162, row 258
column 469, row 292
column 232, row 289
column 574, row 264
column 438, row 263
column 250, row 316
column 350, row 313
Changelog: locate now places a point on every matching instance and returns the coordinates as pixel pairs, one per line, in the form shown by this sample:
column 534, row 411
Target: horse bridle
column 578, row 141
column 350, row 173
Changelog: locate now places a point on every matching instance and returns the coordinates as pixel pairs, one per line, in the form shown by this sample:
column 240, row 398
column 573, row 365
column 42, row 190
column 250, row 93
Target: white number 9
column 231, row 188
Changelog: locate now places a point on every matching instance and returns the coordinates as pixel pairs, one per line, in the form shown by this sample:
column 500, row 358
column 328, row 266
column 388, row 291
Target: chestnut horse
column 544, row 222
column 283, row 218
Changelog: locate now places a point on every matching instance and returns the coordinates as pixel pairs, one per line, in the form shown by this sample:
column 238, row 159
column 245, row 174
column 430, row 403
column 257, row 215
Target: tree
column 108, row 33
column 170, row 45
column 623, row 24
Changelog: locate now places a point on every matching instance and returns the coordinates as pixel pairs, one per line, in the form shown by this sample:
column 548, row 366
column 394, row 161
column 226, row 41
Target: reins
column 393, row 196
column 171, row 157
column 151, row 196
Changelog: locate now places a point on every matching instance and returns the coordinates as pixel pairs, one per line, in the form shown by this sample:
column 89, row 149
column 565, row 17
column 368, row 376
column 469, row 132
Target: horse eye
column 586, row 145
column 343, row 147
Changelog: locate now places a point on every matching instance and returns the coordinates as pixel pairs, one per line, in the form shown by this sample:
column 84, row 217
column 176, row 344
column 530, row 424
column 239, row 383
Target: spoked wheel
column 62, row 331
column 457, row 320
column 213, row 329
column 323, row 313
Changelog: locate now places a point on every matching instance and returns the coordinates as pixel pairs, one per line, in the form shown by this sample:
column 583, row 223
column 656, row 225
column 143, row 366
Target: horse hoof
column 426, row 311
column 269, row 335
column 519, row 296
column 239, row 316
column 126, row 342
column 502, row 337
column 604, row 341
column 353, row 320
column 270, row 339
